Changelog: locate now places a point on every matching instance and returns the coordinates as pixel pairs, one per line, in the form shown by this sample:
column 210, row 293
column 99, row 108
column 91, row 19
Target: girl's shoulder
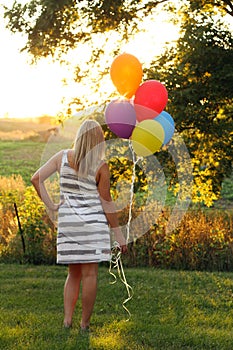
column 60, row 158
column 70, row 157
column 103, row 166
column 103, row 170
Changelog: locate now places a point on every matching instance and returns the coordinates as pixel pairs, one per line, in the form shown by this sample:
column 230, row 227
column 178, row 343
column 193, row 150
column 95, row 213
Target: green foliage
column 121, row 170
column 199, row 80
column 227, row 188
column 170, row 310
column 58, row 26
column 53, row 26
column 38, row 232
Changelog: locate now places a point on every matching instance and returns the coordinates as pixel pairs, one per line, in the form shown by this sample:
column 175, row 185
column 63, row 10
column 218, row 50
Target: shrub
column 38, row 232
column 11, row 191
column 39, row 235
column 202, row 241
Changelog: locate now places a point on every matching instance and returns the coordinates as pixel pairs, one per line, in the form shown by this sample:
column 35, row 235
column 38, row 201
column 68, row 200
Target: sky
column 26, row 90
column 35, row 90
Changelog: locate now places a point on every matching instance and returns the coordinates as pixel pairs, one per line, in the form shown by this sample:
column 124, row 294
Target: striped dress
column 83, row 231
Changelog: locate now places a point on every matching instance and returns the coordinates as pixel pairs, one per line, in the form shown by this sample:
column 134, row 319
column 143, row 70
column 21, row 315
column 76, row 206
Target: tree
column 55, row 27
column 52, row 25
column 225, row 6
column 197, row 72
column 199, row 78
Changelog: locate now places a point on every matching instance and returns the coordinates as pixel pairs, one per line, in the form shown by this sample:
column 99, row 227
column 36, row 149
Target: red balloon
column 150, row 99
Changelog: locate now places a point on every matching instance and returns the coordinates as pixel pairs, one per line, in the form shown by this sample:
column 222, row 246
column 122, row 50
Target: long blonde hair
column 89, row 147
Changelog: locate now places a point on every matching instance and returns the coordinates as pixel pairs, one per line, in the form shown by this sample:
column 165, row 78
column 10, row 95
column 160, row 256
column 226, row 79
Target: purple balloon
column 120, row 116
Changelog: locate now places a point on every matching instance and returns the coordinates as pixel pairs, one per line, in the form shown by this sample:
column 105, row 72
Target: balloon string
column 135, row 161
column 116, row 262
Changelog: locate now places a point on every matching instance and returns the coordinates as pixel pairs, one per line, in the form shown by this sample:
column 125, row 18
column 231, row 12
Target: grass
column 20, row 154
column 20, row 158
column 24, row 157
column 170, row 310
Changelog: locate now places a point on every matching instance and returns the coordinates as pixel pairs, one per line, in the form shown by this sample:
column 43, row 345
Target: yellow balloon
column 126, row 74
column 147, row 137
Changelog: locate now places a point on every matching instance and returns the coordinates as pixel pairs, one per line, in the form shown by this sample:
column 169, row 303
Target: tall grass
column 202, row 241
column 36, row 228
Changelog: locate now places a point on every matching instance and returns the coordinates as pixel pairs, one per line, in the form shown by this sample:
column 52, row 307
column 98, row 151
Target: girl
column 85, row 212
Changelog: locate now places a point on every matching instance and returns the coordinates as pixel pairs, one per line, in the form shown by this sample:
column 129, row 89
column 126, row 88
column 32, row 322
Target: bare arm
column 49, row 168
column 103, row 181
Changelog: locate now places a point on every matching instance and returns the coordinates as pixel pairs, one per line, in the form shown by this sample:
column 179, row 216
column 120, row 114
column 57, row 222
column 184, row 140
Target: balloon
column 126, row 74
column 147, row 137
column 167, row 122
column 143, row 113
column 120, row 117
column 150, row 99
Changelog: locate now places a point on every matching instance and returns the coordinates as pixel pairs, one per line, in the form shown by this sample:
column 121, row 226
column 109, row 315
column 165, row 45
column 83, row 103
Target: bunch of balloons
column 139, row 113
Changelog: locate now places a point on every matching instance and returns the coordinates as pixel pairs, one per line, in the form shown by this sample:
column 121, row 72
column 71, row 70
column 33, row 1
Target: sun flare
column 36, row 90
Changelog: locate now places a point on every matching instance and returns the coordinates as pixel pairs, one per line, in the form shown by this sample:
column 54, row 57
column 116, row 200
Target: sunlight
column 35, row 90
column 150, row 41
column 110, row 335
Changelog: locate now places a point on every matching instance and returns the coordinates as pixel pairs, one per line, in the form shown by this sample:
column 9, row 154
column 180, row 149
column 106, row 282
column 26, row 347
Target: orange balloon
column 126, row 74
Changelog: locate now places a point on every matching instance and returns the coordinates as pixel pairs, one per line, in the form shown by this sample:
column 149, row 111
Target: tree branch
column 227, row 3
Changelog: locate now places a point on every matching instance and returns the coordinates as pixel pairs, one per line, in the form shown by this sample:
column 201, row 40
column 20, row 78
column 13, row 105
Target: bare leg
column 71, row 292
column 89, row 289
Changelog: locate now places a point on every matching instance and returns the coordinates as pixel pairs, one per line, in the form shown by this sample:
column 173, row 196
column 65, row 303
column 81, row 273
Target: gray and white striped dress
column 83, row 231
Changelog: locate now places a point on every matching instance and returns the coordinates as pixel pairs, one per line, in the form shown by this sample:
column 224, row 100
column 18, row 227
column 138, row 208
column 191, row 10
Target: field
column 170, row 310
column 20, row 157
column 22, row 145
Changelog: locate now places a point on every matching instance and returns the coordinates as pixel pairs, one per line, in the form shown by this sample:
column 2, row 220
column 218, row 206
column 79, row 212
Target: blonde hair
column 89, row 147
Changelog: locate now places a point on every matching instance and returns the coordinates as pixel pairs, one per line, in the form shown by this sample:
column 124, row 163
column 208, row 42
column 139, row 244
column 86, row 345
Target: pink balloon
column 150, row 99
column 120, row 116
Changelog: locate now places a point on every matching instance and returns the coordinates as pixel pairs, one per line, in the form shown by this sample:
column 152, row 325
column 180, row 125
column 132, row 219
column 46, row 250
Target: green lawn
column 170, row 310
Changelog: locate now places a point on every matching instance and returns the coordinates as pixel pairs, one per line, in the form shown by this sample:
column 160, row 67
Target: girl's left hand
column 124, row 249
